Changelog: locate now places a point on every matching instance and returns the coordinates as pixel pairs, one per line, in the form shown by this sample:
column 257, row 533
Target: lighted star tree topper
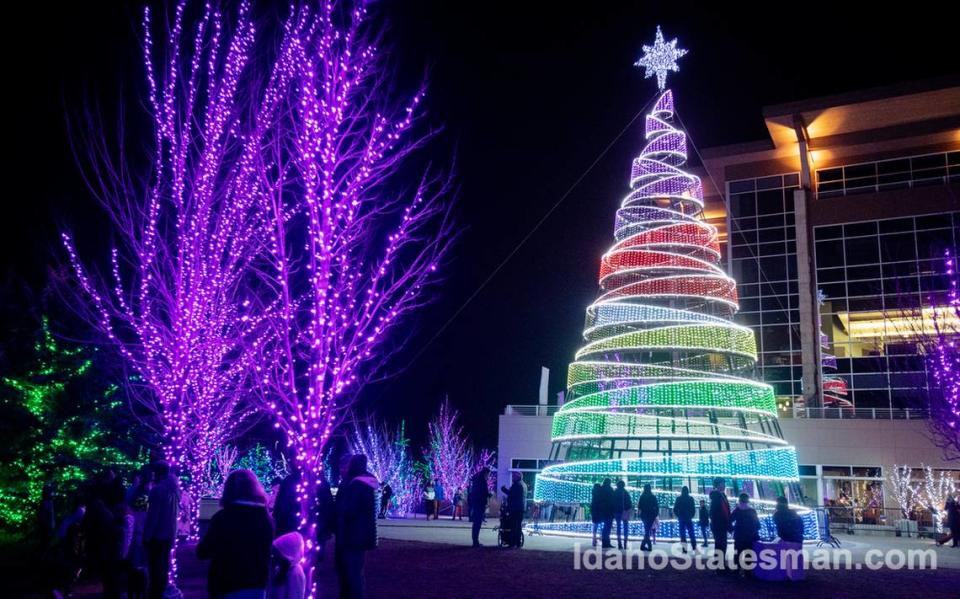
column 661, row 392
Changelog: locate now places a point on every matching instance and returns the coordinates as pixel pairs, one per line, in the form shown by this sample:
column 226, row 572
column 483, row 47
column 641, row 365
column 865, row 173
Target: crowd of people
column 125, row 535
column 611, row 505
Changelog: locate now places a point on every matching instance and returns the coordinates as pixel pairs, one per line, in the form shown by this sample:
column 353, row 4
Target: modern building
column 835, row 229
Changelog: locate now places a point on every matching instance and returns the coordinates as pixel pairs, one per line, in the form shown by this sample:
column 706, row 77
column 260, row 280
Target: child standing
column 457, row 505
column 287, row 580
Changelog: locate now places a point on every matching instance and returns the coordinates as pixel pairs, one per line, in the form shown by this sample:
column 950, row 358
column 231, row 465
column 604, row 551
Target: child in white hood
column 287, row 580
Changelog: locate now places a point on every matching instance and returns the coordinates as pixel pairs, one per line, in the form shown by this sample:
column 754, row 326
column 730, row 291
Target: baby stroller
column 505, row 535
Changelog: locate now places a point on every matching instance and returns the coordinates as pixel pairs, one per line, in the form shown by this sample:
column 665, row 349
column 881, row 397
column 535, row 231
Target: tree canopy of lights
column 943, row 367
column 59, row 428
column 356, row 230
column 173, row 301
column 663, row 366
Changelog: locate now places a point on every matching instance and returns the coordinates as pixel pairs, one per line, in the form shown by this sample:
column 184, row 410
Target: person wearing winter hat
column 287, row 580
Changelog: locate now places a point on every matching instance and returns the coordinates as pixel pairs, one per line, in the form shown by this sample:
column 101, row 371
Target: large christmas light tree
column 661, row 391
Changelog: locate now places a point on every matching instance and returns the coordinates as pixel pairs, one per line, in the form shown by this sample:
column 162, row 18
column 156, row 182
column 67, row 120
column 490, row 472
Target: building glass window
column 762, row 259
column 876, row 276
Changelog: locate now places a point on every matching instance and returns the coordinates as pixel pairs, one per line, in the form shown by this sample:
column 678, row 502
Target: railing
column 529, row 410
column 852, row 519
column 898, row 173
column 858, row 413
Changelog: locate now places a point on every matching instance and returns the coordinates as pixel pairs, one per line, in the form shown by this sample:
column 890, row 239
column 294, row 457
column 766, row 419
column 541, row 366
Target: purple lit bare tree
column 353, row 252
column 175, row 303
column 942, row 344
column 449, row 452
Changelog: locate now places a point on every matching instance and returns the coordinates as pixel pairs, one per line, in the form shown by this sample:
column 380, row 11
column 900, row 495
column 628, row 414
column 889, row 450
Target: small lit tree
column 449, row 453
column 60, row 425
column 937, row 487
column 905, row 489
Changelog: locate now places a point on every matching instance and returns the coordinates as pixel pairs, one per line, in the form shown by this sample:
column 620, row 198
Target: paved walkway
column 458, row 533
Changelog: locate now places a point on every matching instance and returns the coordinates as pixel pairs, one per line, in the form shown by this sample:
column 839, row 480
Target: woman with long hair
column 239, row 539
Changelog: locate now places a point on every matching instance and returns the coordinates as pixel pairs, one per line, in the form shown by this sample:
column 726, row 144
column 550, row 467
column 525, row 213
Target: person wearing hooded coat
column 356, row 527
column 287, row 580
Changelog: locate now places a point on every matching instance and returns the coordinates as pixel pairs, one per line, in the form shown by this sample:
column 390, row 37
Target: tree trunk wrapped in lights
column 354, row 242
column 661, row 392
column 175, row 304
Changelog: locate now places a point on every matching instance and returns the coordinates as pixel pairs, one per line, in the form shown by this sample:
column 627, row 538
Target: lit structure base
column 669, row 530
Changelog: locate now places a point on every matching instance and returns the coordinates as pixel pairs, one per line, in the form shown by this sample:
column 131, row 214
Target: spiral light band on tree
column 659, row 393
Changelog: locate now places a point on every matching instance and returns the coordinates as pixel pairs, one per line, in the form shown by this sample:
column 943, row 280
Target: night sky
column 529, row 93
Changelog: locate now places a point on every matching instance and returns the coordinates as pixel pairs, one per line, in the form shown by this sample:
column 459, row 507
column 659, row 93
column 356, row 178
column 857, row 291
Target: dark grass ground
column 414, row 569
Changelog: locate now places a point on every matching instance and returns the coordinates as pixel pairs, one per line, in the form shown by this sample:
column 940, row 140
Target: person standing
column 649, row 509
column 684, row 509
column 953, row 519
column 238, row 540
column 704, row 521
column 160, row 528
column 477, row 498
column 746, row 531
column 437, row 499
column 287, row 579
column 622, row 506
column 606, row 511
column 326, row 517
column 356, row 532
column 46, row 519
column 516, row 504
column 457, row 505
column 386, row 494
column 120, row 539
column 286, row 505
column 719, row 518
column 596, row 515
column 429, row 496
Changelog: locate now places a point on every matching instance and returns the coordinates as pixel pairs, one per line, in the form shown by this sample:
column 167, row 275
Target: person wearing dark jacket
column 596, row 510
column 326, row 517
column 239, row 539
column 719, row 518
column 606, row 512
column 746, row 530
column 649, row 509
column 386, row 494
column 684, row 509
column 516, row 504
column 477, row 498
column 160, row 527
column 622, row 506
column 789, row 524
column 356, row 530
column 286, row 508
column 704, row 521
